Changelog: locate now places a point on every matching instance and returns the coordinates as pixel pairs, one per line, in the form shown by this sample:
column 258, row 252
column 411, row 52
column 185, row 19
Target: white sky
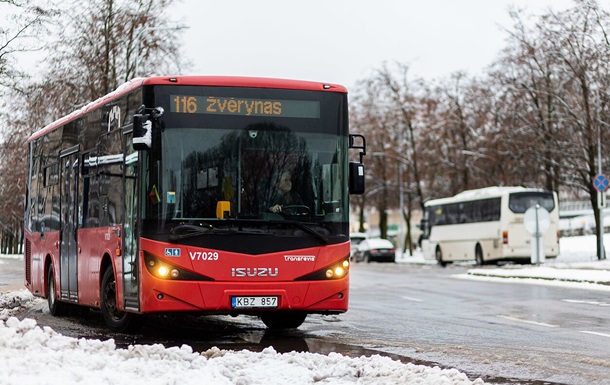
column 341, row 41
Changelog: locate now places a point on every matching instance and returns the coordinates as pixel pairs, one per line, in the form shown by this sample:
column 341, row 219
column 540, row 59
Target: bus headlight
column 165, row 270
column 335, row 271
column 162, row 271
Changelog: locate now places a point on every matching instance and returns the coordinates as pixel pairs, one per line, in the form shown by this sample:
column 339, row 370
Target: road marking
column 412, row 299
column 595, row 333
column 597, row 303
column 528, row 321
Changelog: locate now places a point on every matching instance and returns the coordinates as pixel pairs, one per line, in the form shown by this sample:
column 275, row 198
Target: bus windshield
column 283, row 164
column 520, row 202
column 246, row 169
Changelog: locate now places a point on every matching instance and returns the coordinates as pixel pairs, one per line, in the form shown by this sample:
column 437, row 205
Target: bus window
column 520, row 202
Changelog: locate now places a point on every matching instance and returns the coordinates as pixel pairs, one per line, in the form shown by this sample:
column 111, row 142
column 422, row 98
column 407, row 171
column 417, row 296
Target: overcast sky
column 341, row 41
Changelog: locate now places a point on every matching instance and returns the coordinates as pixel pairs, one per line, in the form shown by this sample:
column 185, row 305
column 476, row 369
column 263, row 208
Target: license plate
column 254, row 302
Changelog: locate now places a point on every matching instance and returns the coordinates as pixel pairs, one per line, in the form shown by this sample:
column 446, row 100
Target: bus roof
column 210, row 81
column 482, row 193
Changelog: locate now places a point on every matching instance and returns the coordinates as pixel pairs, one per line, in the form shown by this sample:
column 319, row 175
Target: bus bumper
column 217, row 297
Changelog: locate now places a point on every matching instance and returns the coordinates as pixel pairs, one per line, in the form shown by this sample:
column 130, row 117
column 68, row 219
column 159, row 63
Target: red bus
column 165, row 196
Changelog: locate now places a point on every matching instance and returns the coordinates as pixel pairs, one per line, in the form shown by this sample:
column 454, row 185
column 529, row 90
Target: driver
column 284, row 196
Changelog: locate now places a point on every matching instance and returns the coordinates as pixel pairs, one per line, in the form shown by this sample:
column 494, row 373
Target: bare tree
column 94, row 52
column 405, row 98
column 107, row 42
column 21, row 22
column 579, row 45
column 369, row 114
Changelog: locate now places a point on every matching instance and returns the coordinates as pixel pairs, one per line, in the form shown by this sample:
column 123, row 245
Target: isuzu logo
column 254, row 272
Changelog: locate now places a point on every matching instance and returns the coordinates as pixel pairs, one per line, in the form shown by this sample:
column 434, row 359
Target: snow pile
column 32, row 355
column 14, row 301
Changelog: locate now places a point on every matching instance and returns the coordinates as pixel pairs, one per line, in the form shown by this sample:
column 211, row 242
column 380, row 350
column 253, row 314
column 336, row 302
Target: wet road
column 504, row 333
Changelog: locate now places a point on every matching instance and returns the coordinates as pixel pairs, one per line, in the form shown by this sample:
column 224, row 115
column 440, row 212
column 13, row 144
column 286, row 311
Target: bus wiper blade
column 187, row 231
column 190, row 231
column 309, row 230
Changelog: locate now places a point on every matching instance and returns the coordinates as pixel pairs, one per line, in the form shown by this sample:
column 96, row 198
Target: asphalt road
column 492, row 329
column 504, row 333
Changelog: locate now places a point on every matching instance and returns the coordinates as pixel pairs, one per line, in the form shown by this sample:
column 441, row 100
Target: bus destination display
column 214, row 105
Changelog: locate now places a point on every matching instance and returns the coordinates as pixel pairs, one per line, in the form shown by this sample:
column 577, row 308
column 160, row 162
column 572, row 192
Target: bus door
column 130, row 238
column 68, row 161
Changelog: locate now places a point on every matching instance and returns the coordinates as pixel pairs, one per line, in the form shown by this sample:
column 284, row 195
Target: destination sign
column 214, row 105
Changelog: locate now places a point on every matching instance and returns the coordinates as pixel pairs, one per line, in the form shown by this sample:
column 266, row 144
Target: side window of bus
column 464, row 210
column 49, row 199
column 110, row 169
column 453, row 213
column 490, row 210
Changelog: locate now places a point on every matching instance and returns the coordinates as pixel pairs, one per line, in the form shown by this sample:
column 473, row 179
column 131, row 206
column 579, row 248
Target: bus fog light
column 329, row 273
column 175, row 273
column 163, row 271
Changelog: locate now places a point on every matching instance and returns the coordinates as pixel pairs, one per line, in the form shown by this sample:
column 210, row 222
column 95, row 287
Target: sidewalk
column 576, row 266
column 597, row 273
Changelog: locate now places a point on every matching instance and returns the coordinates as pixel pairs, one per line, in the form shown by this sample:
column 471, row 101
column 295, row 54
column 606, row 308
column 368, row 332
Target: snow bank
column 33, row 355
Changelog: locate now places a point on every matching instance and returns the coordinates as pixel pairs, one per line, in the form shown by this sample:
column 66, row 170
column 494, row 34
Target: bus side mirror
column 356, row 178
column 423, row 224
column 142, row 132
column 356, row 169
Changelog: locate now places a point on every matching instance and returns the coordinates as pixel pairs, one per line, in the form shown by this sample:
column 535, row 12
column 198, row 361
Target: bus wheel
column 283, row 320
column 115, row 319
column 56, row 308
column 478, row 255
column 439, row 256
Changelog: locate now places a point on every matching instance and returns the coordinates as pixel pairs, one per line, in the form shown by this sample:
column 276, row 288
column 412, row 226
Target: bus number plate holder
column 254, row 302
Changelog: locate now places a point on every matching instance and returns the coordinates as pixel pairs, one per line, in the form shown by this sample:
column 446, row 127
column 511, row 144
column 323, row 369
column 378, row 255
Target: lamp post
column 601, row 197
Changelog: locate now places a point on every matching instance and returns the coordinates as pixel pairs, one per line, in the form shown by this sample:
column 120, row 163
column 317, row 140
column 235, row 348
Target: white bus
column 486, row 225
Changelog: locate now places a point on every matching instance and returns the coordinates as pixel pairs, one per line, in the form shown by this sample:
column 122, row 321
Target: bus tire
column 57, row 308
column 283, row 320
column 439, row 256
column 478, row 255
column 115, row 319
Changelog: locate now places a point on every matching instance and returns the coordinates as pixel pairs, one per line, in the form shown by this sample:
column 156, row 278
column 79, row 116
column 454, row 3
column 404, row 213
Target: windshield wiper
column 309, row 230
column 184, row 231
column 187, row 230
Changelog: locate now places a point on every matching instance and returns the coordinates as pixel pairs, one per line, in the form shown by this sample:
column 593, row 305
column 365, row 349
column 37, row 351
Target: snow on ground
column 34, row 355
column 576, row 266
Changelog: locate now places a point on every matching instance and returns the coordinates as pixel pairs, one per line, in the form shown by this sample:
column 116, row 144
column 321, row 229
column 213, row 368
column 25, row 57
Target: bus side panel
column 93, row 244
column 458, row 242
column 41, row 246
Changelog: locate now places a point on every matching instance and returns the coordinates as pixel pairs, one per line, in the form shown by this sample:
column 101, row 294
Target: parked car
column 355, row 239
column 375, row 249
